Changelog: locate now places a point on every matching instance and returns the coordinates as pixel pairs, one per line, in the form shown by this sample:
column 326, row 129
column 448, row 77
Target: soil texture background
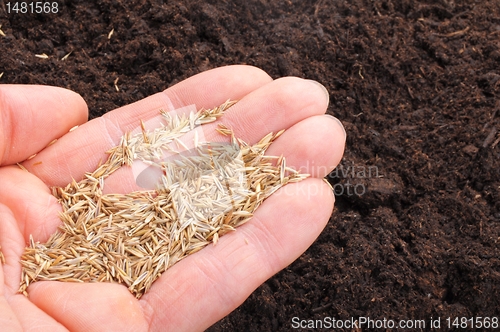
column 416, row 229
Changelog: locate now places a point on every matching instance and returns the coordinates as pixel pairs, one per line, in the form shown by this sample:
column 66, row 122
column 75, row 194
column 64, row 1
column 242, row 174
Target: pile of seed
column 133, row 238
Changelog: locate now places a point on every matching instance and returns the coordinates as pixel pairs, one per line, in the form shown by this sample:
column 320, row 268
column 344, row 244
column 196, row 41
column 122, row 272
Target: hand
column 204, row 287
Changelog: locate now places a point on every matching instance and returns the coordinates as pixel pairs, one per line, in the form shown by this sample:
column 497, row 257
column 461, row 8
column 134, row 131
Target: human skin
column 204, row 287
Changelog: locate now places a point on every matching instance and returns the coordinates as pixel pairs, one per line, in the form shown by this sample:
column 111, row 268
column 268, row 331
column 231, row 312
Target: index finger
column 31, row 116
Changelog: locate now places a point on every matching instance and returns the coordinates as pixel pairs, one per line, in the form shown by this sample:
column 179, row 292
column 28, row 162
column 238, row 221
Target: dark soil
column 416, row 230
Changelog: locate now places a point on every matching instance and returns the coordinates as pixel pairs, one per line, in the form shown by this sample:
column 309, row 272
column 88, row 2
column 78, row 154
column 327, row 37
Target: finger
column 277, row 105
column 89, row 306
column 31, row 116
column 12, row 243
column 313, row 146
column 31, row 203
column 8, row 320
column 211, row 283
column 31, row 317
column 81, row 150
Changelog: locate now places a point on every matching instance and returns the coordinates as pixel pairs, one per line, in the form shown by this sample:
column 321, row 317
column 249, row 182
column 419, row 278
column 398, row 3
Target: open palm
column 204, row 287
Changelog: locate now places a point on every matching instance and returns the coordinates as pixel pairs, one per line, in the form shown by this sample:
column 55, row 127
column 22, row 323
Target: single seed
column 66, row 56
column 22, row 167
column 2, row 258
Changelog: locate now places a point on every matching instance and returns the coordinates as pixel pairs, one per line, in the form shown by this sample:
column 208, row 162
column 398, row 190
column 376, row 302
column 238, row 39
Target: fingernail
column 338, row 122
column 327, row 94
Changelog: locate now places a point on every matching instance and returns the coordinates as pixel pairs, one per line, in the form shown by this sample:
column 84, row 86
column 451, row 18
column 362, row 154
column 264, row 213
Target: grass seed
column 133, row 238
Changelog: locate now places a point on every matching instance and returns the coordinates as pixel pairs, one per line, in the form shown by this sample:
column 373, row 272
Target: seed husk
column 133, row 238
